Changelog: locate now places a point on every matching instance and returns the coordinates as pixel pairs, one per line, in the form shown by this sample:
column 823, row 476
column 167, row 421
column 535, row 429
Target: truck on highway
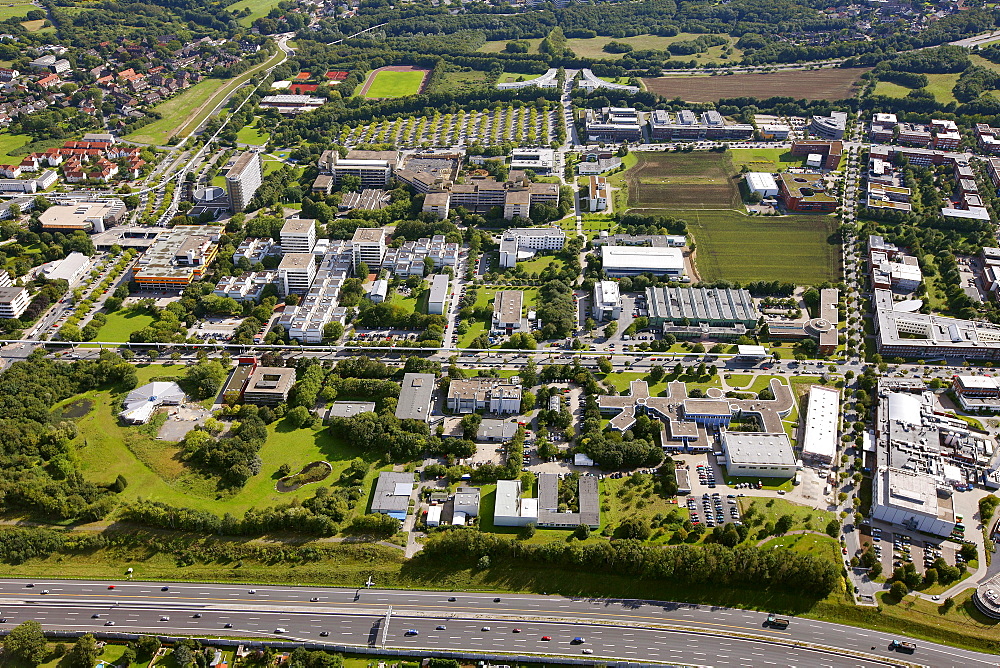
column 901, row 646
column 777, row 622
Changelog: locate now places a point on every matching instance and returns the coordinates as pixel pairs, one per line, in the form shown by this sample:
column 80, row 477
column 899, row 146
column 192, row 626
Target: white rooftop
column 821, row 422
column 642, row 257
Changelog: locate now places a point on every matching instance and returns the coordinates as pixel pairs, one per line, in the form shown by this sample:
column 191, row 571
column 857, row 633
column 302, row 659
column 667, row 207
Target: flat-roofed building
column 243, row 179
column 538, row 160
column 598, row 194
column 904, row 333
column 805, row 193
column 620, row 261
column 69, row 269
column 829, row 127
column 613, row 124
column 437, row 203
column 374, row 168
column 911, row 499
column 517, row 204
column 493, row 395
column 268, row 385
column 392, row 494
column 607, row 301
column 379, row 291
column 761, row 183
column 298, row 235
column 179, row 256
column 526, row 240
column 508, row 312
column 510, row 509
column 588, row 503
column 369, row 246
column 819, row 445
column 496, row 431
column 248, row 287
column 297, row 271
column 415, row 397
column 762, row 455
column 467, row 501
column 291, row 104
column 438, row 294
column 86, row 215
column 13, row 302
column 686, row 125
column 711, row 306
column 830, row 150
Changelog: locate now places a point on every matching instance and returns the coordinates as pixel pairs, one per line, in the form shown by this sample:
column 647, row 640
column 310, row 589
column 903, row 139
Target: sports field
column 828, row 84
column 682, row 180
column 702, row 188
column 395, row 82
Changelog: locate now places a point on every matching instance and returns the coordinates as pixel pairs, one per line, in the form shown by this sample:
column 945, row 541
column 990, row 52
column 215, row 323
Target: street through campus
column 621, row 629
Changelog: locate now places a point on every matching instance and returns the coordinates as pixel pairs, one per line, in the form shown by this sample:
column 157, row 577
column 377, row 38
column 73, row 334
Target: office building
column 86, row 215
column 882, row 127
column 598, row 194
column 392, row 494
column 13, row 302
column 369, row 247
column 686, row 125
column 374, row 168
column 438, row 295
column 507, row 312
column 607, row 301
column 242, row 179
column 298, row 235
column 521, row 243
column 716, row 307
column 142, row 402
column 409, row 259
column 829, row 127
column 977, row 393
column 622, row 261
column 904, row 333
column 492, row 395
column 819, row 445
column 437, row 203
column 764, row 455
column 254, row 250
column 830, row 150
column 591, row 82
column 613, row 124
column 179, row 256
column 268, row 386
column 415, row 396
column 511, row 509
column 805, row 193
column 548, row 80
column 296, row 271
column 248, row 287
column 588, row 503
column 539, row 160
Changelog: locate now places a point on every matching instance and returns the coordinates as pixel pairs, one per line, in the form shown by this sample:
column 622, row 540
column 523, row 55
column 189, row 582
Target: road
column 612, row 628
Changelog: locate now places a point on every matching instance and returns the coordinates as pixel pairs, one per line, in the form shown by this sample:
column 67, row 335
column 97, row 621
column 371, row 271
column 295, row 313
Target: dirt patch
column 827, row 84
column 311, row 472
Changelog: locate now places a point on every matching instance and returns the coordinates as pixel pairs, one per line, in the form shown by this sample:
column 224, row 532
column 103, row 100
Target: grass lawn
column 890, row 89
column 593, row 47
column 15, row 10
column 120, row 325
column 803, row 517
column 37, row 25
column 621, row 381
column 404, row 302
column 395, row 84
column 184, row 113
column 500, row 45
column 764, row 159
column 540, row 262
column 8, row 143
column 750, row 383
column 818, row 546
column 485, row 300
column 251, row 134
column 737, row 247
column 941, row 84
column 454, row 82
column 258, row 9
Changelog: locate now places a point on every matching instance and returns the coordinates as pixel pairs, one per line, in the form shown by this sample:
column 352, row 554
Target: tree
column 298, row 417
column 635, row 527
column 470, row 425
column 968, row 552
column 604, row 364
column 833, row 528
column 363, row 270
column 84, row 653
column 783, row 525
column 528, row 400
column 582, row 532
column 428, row 266
column 898, row 590
column 611, row 329
column 26, row 643
column 657, row 373
column 527, row 531
column 147, row 646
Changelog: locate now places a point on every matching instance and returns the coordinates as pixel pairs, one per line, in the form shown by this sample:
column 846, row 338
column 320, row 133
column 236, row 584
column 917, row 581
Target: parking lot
column 897, row 548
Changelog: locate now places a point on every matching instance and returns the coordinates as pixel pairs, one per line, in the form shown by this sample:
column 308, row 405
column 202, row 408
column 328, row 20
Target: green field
column 155, row 471
column 940, row 85
column 889, row 89
column 10, row 11
column 500, row 45
column 395, row 84
column 258, row 9
column 120, row 325
column 8, row 143
column 593, row 47
column 252, row 134
column 764, row 159
column 181, row 115
column 456, row 82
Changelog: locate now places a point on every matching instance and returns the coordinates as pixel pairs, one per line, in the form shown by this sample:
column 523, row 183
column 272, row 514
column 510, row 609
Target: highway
column 472, row 622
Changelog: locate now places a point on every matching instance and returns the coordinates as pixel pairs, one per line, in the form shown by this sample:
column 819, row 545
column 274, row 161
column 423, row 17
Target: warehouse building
column 819, row 445
column 415, row 396
column 717, row 307
column 762, row 183
column 620, row 261
column 392, row 494
column 764, row 455
column 89, row 216
column 510, row 509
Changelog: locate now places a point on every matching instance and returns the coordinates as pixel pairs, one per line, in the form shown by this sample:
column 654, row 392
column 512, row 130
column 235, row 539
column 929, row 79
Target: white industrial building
column 762, row 183
column 511, row 510
column 467, row 501
column 622, row 261
column 819, row 444
column 69, row 269
column 379, row 291
column 607, row 301
column 762, row 455
column 434, row 516
column 912, row 500
column 142, row 402
column 438, row 294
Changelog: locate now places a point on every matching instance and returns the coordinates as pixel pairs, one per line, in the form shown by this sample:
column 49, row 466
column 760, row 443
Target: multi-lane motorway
column 471, row 622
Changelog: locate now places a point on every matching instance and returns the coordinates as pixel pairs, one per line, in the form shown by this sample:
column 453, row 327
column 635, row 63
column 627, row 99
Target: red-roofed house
column 49, row 81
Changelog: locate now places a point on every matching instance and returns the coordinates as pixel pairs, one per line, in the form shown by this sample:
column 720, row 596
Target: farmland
column 525, row 126
column 682, row 180
column 393, row 82
column 731, row 245
column 828, row 84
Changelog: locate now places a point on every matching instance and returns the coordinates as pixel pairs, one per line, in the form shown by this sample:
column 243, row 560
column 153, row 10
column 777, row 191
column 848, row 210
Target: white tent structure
column 143, row 401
